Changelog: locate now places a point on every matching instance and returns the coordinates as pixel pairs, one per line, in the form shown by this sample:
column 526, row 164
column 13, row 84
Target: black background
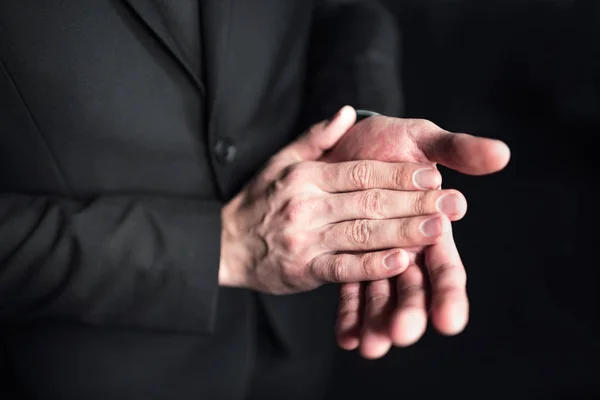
column 527, row 72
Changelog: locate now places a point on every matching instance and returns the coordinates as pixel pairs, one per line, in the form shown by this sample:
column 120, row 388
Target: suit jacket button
column 225, row 151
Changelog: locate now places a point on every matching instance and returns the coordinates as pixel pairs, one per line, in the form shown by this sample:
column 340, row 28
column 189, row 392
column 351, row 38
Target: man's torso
column 96, row 97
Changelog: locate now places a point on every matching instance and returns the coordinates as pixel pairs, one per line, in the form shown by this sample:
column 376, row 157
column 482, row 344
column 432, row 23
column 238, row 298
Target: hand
column 376, row 315
column 301, row 223
column 414, row 140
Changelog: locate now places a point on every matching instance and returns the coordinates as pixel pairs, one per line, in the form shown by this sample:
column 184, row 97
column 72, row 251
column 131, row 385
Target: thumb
column 319, row 138
column 461, row 152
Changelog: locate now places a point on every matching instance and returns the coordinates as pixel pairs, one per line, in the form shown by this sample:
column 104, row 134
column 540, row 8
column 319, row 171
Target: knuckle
column 337, row 269
column 293, row 243
column 295, row 175
column 402, row 177
column 409, row 291
column 449, row 276
column 371, row 203
column 367, row 265
column 349, row 303
column 313, row 130
column 412, row 277
column 328, row 172
column 377, row 297
column 277, row 187
column 298, row 210
column 350, row 298
column 417, row 126
column 327, row 206
column 361, row 174
column 404, row 232
column 420, row 203
column 359, row 232
column 378, row 292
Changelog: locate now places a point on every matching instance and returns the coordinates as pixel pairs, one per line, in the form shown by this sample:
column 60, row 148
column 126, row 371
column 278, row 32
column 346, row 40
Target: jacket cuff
column 364, row 114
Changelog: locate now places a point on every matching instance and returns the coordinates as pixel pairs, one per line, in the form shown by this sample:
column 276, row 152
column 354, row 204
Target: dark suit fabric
column 113, row 178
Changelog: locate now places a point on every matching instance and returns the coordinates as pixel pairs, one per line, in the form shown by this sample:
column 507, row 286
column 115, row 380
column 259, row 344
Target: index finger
column 360, row 175
column 448, row 281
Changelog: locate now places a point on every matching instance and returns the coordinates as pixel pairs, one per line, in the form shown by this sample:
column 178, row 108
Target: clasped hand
column 324, row 210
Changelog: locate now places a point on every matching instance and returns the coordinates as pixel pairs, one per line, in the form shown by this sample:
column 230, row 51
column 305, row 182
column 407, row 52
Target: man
column 134, row 236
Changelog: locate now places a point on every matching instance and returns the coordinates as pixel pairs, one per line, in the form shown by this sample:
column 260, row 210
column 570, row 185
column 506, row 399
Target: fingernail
column 432, row 227
column 449, row 204
column 393, row 261
column 427, row 178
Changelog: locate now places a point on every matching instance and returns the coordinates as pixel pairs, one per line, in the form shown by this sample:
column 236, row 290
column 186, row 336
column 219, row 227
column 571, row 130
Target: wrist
column 231, row 267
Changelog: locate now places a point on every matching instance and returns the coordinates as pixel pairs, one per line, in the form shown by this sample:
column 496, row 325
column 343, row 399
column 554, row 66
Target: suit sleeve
column 353, row 59
column 131, row 262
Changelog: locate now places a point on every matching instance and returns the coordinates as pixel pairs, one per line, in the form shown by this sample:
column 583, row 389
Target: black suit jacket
column 116, row 157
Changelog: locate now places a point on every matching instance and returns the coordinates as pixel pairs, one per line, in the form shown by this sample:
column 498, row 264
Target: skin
column 355, row 204
column 375, row 316
column 302, row 223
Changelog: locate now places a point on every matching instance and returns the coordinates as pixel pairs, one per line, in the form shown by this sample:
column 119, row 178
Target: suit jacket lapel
column 151, row 16
column 217, row 28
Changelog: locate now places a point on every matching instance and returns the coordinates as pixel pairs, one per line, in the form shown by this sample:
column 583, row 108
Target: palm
column 413, row 140
column 395, row 311
column 375, row 139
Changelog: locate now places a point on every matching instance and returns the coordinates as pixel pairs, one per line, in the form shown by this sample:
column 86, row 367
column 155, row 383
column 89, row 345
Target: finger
column 371, row 235
column 448, row 282
column 375, row 339
column 464, row 153
column 409, row 319
column 379, row 204
column 349, row 268
column 319, row 138
column 348, row 324
column 361, row 175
